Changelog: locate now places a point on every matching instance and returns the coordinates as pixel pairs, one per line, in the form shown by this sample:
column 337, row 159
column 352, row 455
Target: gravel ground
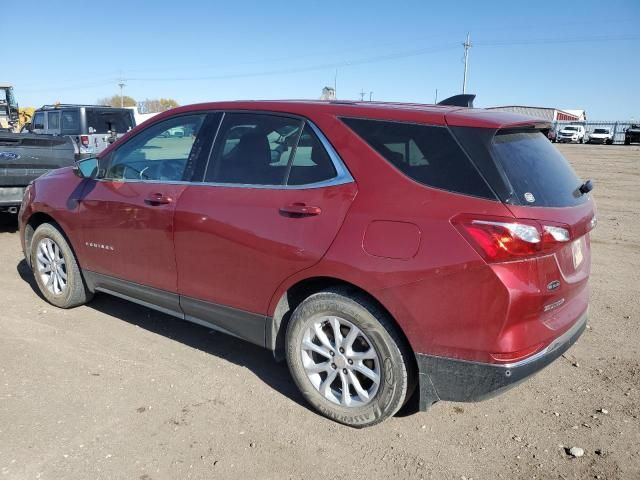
column 113, row 390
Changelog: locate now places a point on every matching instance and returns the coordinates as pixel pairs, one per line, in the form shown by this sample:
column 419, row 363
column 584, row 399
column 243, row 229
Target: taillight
column 504, row 239
column 84, row 140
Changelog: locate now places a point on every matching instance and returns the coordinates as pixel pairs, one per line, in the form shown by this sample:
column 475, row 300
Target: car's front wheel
column 348, row 359
column 56, row 270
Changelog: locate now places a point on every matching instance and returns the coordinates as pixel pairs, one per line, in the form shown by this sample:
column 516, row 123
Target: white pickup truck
column 571, row 134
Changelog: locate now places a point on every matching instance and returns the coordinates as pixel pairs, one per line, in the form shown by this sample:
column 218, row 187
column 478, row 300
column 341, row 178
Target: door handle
column 157, row 199
column 300, row 210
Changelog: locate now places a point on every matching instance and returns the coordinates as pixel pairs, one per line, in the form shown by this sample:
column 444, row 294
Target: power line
column 368, row 46
column 342, row 64
column 546, row 41
column 347, row 63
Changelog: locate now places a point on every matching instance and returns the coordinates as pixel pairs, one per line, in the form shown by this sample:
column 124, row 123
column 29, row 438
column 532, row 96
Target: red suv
column 388, row 251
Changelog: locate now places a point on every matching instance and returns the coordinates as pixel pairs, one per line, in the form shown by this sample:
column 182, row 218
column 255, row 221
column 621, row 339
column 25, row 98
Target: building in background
column 546, row 113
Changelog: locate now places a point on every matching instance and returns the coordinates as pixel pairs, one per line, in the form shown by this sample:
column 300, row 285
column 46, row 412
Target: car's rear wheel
column 56, row 270
column 348, row 359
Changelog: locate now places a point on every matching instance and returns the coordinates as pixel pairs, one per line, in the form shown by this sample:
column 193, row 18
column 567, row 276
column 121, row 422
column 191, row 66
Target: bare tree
column 157, row 105
column 114, row 101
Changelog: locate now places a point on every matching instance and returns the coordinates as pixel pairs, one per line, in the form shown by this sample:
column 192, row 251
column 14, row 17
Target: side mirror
column 87, row 168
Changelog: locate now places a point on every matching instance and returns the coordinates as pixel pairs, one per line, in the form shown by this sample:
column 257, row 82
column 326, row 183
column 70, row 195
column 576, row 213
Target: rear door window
column 253, row 149
column 537, row 171
column 311, row 163
column 53, row 120
column 427, row 154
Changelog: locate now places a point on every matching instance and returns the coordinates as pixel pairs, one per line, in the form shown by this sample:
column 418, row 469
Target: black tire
column 75, row 292
column 396, row 362
column 627, row 141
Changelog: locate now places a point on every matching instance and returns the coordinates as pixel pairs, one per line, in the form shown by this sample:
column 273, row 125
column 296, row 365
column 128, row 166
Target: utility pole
column 335, row 84
column 362, row 93
column 436, row 100
column 370, row 96
column 121, row 85
column 467, row 45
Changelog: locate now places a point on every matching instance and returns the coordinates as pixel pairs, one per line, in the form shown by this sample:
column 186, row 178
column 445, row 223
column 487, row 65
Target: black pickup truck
column 25, row 157
column 632, row 134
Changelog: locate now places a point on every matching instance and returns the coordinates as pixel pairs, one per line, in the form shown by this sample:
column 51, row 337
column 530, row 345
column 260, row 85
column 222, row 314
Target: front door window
column 161, row 153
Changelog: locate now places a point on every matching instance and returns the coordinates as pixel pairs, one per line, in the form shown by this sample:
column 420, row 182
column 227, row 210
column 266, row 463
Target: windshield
column 11, row 99
column 538, row 173
column 571, row 128
column 601, row 130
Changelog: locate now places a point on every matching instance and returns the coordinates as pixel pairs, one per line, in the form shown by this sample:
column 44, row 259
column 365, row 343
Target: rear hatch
column 542, row 191
column 104, row 126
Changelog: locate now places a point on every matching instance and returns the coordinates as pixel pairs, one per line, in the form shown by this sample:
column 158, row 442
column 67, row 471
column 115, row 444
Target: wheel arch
column 32, row 224
column 302, row 289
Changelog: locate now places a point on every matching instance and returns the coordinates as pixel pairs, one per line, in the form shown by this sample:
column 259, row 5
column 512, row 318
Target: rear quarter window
column 428, row 154
column 70, row 122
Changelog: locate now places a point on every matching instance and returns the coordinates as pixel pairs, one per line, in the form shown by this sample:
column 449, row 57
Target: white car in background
column 601, row 135
column 571, row 134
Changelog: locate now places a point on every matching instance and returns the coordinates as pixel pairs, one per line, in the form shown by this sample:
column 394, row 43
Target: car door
column 273, row 198
column 127, row 214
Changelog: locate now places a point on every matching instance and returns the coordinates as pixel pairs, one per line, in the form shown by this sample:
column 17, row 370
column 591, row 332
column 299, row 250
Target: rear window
column 538, row 173
column 427, row 154
column 102, row 121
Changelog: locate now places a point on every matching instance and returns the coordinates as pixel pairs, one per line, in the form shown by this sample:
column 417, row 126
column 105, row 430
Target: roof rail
column 65, row 105
column 462, row 100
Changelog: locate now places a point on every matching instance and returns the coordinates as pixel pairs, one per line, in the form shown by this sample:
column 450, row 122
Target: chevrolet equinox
column 388, row 251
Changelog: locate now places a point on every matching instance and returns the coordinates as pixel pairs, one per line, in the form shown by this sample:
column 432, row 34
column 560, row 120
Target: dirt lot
column 113, row 390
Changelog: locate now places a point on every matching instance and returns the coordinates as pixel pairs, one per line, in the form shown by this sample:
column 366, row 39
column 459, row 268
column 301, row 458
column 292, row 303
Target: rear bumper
column 443, row 378
column 11, row 196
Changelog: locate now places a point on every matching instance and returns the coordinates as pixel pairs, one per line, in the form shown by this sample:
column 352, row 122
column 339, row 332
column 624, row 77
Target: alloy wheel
column 51, row 266
column 340, row 361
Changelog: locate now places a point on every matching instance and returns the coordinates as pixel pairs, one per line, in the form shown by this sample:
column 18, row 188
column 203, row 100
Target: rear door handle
column 300, row 210
column 157, row 199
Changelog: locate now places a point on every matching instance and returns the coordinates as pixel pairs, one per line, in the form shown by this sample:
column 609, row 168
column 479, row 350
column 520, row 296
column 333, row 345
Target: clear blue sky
column 583, row 54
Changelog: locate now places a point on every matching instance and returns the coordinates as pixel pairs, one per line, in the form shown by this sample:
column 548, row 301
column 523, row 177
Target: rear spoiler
column 462, row 100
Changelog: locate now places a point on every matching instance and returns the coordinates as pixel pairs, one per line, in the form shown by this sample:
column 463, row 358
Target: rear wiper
column 585, row 188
